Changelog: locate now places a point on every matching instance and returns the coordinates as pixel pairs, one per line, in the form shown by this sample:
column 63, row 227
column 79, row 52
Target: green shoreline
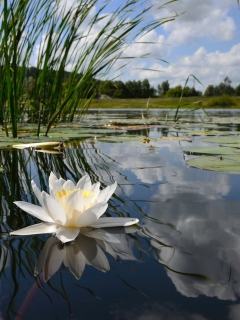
column 190, row 102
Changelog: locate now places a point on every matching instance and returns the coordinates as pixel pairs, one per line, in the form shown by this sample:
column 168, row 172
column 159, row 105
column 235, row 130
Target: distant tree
column 227, row 82
column 159, row 90
column 210, row 91
column 121, row 90
column 107, row 88
column 134, row 88
column 163, row 88
column 192, row 92
column 224, row 88
column 237, row 90
column 147, row 90
column 174, row 92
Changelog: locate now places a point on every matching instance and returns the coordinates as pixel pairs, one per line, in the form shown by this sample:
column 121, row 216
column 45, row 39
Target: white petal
column 67, row 234
column 37, row 192
column 89, row 216
column 39, row 228
column 69, row 185
column 55, row 183
column 53, row 208
column 106, row 193
column 74, row 203
column 34, row 210
column 113, row 222
column 96, row 188
column 84, row 183
column 100, row 234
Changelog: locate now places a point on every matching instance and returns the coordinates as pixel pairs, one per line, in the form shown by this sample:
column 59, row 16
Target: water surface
column 182, row 262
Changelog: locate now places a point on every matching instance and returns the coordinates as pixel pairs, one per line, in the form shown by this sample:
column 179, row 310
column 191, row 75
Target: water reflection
column 87, row 249
column 198, row 242
column 188, row 245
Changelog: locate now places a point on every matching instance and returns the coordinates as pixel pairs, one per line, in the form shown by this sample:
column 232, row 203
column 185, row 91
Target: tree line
column 142, row 89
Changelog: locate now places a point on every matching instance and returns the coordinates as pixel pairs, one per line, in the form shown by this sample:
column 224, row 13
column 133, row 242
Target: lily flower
column 70, row 208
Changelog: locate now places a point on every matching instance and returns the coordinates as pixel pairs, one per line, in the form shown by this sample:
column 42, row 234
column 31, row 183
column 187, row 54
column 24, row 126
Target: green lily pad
column 211, row 150
column 177, row 138
column 231, row 145
column 125, row 138
column 223, row 120
column 205, row 132
column 222, row 140
column 227, row 164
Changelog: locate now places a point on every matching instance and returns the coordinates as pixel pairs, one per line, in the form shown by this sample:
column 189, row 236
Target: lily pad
column 231, row 145
column 177, row 138
column 222, row 140
column 223, row 120
column 227, row 164
column 211, row 150
column 125, row 138
column 205, row 133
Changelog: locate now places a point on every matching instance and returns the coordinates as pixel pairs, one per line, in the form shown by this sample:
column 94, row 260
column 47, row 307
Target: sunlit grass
column 171, row 103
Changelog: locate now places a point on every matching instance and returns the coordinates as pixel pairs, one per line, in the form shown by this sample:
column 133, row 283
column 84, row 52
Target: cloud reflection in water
column 198, row 242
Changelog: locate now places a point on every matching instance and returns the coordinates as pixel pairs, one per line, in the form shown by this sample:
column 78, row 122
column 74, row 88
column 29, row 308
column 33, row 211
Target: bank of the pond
column 189, row 102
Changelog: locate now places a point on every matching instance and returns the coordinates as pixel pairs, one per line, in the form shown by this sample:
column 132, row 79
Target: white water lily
column 70, row 208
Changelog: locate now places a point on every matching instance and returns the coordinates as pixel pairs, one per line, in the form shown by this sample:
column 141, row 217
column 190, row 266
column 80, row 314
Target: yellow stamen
column 85, row 193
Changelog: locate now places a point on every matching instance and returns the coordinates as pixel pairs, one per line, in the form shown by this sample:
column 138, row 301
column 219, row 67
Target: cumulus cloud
column 198, row 19
column 208, row 67
column 200, row 26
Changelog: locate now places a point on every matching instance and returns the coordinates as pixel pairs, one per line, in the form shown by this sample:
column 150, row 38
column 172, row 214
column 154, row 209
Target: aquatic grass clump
column 223, row 101
column 84, row 38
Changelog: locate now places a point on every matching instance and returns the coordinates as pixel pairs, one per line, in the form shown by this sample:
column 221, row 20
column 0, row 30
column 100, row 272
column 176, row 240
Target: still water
column 181, row 262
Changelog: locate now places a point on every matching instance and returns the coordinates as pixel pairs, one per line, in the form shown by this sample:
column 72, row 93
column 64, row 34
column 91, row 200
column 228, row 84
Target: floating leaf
column 125, row 138
column 177, row 138
column 223, row 120
column 205, row 133
column 231, row 145
column 222, row 140
column 211, row 150
column 227, row 164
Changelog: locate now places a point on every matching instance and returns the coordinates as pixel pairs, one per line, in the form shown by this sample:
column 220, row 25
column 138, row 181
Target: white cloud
column 208, row 67
column 198, row 19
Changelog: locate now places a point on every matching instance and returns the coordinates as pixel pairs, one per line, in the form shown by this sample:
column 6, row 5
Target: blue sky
column 203, row 40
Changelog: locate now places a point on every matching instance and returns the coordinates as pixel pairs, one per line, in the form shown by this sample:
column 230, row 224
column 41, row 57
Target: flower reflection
column 87, row 249
column 70, row 208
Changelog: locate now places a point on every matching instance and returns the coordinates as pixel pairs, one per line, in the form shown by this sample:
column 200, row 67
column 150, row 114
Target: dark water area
column 180, row 262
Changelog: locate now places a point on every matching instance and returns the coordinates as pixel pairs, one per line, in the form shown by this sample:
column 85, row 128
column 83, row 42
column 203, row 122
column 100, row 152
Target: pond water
column 180, row 262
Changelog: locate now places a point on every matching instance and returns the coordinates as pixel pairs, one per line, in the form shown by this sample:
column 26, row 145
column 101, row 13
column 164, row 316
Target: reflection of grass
column 188, row 102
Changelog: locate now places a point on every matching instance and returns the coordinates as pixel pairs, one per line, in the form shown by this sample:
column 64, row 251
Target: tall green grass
column 82, row 38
